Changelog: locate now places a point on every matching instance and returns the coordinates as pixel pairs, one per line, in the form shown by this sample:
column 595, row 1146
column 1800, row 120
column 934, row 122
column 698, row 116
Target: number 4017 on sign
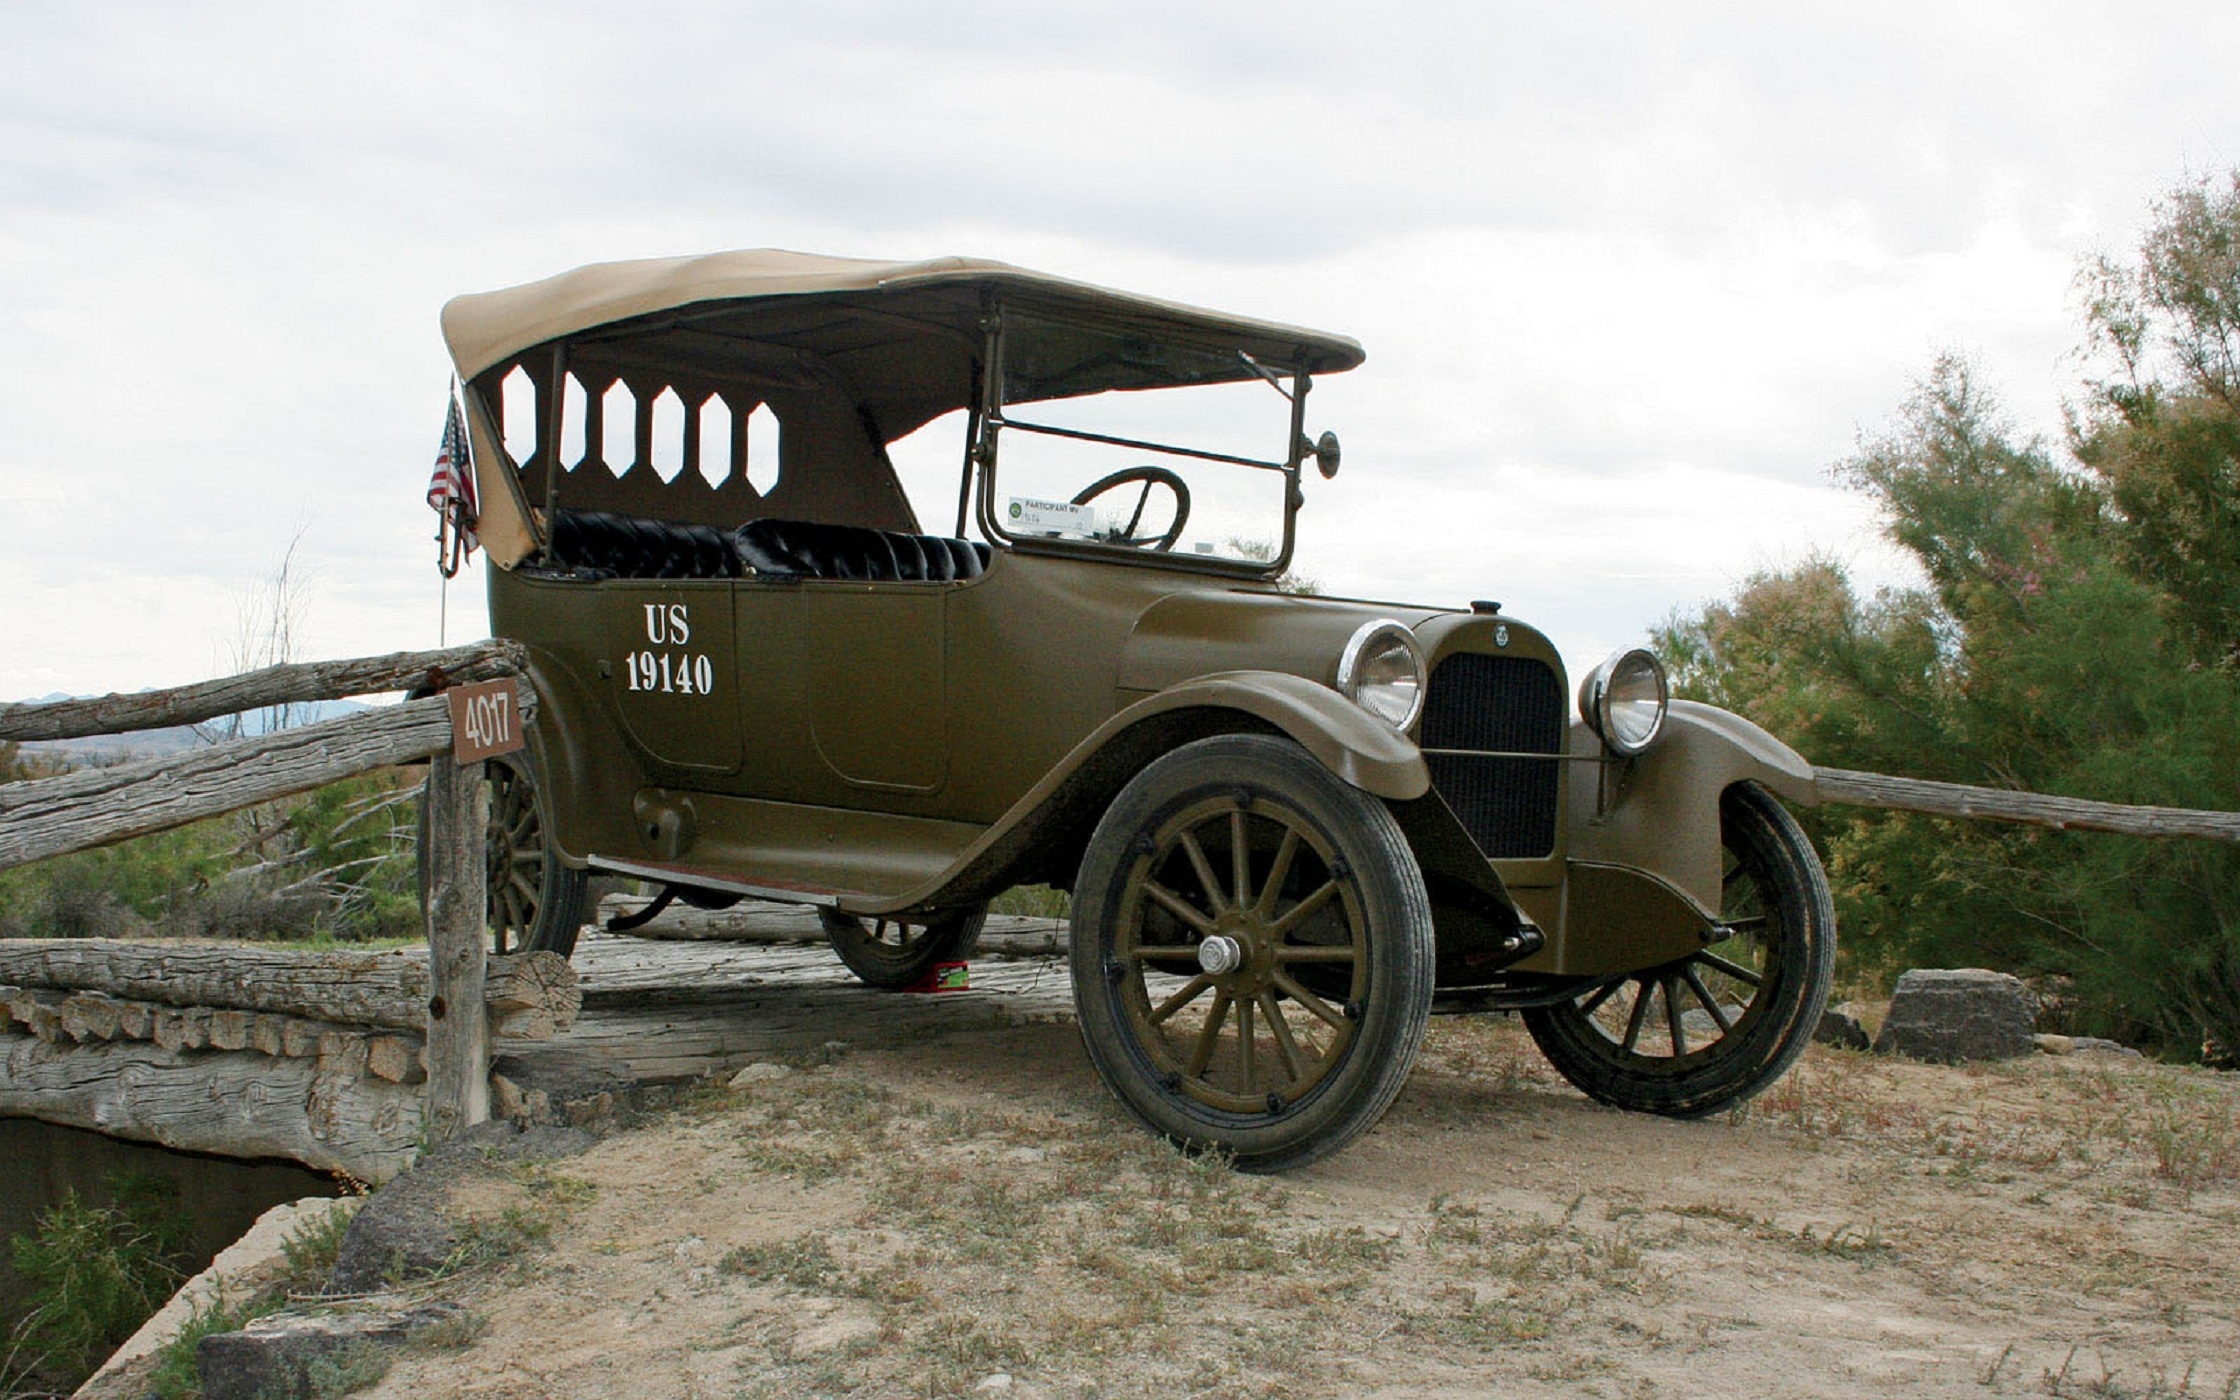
column 485, row 719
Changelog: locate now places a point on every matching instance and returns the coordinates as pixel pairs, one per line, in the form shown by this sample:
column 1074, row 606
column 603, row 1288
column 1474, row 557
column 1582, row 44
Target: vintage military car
column 1292, row 826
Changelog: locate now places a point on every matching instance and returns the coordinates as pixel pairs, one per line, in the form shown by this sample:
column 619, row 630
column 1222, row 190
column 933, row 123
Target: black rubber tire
column 1349, row 895
column 923, row 944
column 1776, row 896
column 543, row 909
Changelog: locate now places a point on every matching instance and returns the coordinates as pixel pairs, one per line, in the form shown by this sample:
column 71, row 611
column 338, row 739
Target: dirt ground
column 976, row 1216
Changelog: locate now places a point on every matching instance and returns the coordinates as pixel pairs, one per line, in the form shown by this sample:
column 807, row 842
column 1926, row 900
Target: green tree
column 2043, row 654
column 2162, row 428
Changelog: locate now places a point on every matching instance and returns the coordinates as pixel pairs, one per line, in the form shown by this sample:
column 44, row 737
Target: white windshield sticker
column 1032, row 517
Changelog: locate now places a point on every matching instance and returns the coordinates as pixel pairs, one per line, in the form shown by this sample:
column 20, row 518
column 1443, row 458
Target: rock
column 759, row 1072
column 581, row 1088
column 1957, row 1014
column 997, row 1384
column 404, row 1230
column 1841, row 1029
column 304, row 1354
column 2055, row 1044
column 2097, row 1045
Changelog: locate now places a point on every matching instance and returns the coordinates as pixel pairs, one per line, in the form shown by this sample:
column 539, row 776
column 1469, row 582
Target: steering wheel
column 1150, row 476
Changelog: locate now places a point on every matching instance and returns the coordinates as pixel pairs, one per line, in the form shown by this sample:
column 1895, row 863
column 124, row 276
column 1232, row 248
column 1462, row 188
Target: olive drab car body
column 1292, row 825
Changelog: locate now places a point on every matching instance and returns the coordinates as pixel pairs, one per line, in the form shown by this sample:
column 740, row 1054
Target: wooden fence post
column 458, row 1027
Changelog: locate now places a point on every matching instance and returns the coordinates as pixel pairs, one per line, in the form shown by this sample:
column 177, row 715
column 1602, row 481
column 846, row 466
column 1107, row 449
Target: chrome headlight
column 1623, row 700
column 1381, row 670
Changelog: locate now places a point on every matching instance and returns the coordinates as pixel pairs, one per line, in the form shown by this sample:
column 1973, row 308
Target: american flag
column 451, row 495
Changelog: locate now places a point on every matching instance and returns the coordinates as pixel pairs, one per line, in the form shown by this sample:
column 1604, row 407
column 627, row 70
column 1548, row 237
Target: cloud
column 1599, row 254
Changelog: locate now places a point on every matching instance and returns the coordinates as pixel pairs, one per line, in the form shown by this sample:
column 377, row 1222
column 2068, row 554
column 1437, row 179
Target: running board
column 778, row 891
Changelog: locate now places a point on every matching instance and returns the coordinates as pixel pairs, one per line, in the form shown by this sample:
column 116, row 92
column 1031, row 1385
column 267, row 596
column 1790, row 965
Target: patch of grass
column 346, row 1371
column 805, row 1261
column 2195, row 1138
column 555, row 1187
column 1848, row 1242
column 310, row 1250
column 493, row 1242
column 175, row 1376
column 1033, row 901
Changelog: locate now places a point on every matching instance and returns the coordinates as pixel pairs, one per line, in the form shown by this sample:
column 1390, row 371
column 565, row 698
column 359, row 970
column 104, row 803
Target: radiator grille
column 1508, row 703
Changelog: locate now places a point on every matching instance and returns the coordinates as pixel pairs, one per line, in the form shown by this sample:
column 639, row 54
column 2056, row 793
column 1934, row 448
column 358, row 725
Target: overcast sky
column 1631, row 277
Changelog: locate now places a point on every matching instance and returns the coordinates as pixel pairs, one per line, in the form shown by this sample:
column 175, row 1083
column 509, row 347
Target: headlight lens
column 1624, row 701
column 1381, row 670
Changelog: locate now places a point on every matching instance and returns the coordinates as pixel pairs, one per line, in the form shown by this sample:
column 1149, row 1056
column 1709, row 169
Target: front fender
column 1659, row 813
column 1343, row 737
column 1352, row 743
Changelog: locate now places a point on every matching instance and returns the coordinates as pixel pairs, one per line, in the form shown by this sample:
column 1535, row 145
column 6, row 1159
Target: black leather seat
column 600, row 544
column 804, row 549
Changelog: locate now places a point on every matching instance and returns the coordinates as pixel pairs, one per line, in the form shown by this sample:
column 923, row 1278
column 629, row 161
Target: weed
column 93, row 1274
column 1848, row 1242
column 344, row 1371
column 310, row 1250
column 175, row 1376
column 491, row 1243
column 1034, row 901
column 558, row 1188
column 1350, row 1245
column 805, row 1261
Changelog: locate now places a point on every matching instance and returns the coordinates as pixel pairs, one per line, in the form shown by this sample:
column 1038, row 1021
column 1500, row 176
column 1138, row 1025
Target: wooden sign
column 485, row 719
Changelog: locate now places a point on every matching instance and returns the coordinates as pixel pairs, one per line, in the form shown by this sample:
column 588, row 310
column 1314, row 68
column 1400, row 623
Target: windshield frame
column 984, row 430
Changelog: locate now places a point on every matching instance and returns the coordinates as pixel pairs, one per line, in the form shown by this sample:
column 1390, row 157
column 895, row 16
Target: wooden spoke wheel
column 1252, row 952
column 536, row 901
column 1707, row 1031
column 898, row 953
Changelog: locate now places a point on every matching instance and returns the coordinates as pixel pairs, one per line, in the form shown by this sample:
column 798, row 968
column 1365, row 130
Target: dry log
column 387, row 989
column 302, row 1037
column 295, row 683
column 396, row 1058
column 343, row 1052
column 2031, row 808
column 183, row 1028
column 37, row 1010
column 237, row 1105
column 136, row 1020
column 458, row 1017
column 90, row 1016
column 229, row 1028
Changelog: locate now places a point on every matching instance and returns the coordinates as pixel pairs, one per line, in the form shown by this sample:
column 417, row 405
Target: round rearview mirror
column 1326, row 455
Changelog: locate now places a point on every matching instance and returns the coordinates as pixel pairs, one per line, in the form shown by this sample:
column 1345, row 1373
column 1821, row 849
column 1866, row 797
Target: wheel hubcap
column 1220, row 954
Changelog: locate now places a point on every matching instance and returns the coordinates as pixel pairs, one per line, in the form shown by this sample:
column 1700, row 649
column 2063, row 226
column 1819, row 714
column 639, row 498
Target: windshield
column 1195, row 468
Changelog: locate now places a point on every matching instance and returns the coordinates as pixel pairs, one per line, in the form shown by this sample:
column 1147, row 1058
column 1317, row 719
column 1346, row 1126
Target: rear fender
column 575, row 788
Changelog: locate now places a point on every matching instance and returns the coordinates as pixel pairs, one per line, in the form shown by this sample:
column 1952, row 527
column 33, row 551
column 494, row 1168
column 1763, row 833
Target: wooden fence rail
column 2030, row 808
column 241, row 999
column 296, row 683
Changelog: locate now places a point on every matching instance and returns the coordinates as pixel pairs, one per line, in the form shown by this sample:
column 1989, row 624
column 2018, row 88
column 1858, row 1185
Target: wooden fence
column 360, row 1032
column 362, row 1014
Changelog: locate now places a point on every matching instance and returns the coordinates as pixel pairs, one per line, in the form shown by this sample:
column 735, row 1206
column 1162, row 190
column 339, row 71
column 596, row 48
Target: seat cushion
column 807, row 549
column 601, row 544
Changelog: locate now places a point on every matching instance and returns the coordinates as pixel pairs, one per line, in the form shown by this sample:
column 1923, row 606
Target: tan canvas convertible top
column 485, row 328
column 898, row 339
